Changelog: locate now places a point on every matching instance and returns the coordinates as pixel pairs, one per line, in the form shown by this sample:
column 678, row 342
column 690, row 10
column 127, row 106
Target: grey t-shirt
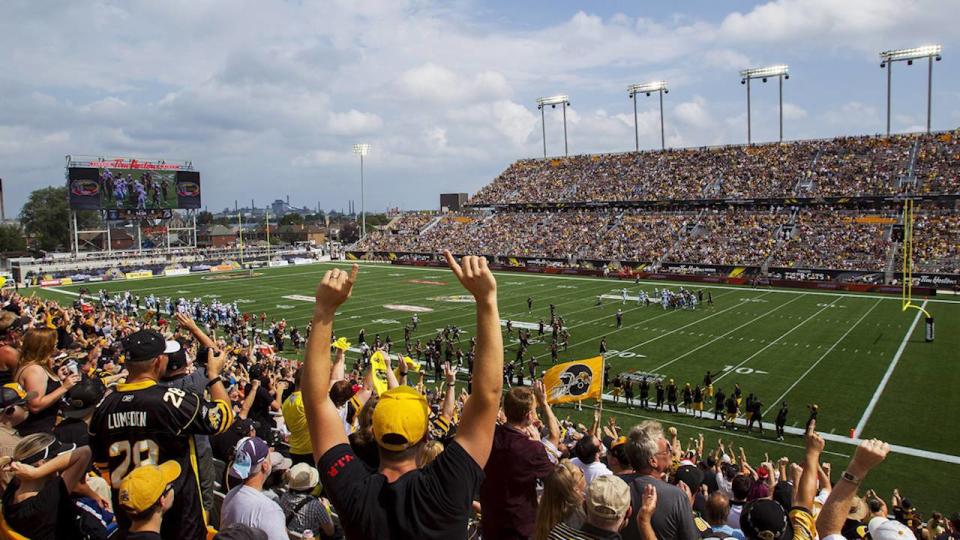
column 251, row 507
column 672, row 518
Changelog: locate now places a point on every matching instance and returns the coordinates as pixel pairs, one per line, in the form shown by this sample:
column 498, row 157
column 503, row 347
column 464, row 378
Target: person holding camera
column 38, row 373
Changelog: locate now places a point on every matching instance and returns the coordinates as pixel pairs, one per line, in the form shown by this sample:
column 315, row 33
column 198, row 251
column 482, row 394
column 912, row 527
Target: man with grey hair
column 650, row 455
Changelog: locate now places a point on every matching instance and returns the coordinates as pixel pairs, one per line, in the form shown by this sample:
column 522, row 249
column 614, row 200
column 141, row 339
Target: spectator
column 518, row 459
column 587, row 452
column 379, row 504
column 607, row 511
column 741, row 486
column 252, row 463
column 159, row 417
column 651, row 456
column 239, row 531
column 37, row 376
column 11, row 330
column 832, row 517
column 37, row 501
column 13, row 411
column 78, row 406
column 303, row 511
column 717, row 512
column 296, row 422
column 146, row 494
column 764, row 519
column 562, row 499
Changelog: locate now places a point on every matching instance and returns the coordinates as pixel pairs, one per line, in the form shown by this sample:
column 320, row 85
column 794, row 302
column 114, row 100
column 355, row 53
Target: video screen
column 133, row 189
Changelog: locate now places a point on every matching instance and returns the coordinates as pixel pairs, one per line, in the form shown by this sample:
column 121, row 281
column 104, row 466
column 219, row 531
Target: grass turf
column 801, row 346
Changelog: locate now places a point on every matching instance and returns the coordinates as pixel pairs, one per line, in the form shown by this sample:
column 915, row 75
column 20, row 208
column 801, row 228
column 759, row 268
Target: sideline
column 886, row 376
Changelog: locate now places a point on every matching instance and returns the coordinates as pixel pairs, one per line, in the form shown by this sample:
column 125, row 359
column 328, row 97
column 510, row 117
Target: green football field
column 860, row 357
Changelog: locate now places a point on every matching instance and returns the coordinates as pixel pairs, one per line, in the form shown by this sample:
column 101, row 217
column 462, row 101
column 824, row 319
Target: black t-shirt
column 260, row 410
column 72, row 430
column 142, row 535
column 49, row 515
column 432, row 502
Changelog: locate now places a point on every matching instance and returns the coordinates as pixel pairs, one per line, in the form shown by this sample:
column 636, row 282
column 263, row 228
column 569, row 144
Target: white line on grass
column 824, row 355
column 772, row 343
column 751, row 321
column 886, row 376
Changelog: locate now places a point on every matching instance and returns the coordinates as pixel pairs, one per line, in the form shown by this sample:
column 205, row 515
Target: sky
column 267, row 97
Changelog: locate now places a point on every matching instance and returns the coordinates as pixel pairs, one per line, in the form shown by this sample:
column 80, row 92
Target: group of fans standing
column 112, row 424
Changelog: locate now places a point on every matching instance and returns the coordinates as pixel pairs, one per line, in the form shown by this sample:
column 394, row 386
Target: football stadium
column 667, row 336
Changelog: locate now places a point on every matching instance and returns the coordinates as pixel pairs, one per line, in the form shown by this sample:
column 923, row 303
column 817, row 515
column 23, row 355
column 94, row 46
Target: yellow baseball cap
column 144, row 486
column 400, row 418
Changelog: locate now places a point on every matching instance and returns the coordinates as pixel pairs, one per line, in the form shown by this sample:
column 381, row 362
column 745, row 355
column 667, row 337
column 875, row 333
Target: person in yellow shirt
column 301, row 451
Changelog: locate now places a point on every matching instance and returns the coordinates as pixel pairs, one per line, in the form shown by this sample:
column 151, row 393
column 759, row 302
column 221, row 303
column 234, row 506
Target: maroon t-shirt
column 508, row 495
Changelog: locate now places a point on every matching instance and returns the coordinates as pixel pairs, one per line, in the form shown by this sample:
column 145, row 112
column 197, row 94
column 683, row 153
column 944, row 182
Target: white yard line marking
column 886, row 376
column 772, row 343
column 751, row 321
column 824, row 355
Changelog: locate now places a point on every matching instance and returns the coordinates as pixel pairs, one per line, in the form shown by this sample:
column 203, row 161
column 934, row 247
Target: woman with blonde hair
column 37, row 501
column 36, row 375
column 428, row 453
column 562, row 499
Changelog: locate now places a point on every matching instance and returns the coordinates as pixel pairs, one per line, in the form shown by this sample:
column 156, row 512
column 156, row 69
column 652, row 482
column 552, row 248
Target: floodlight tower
column 779, row 71
column 553, row 101
column 887, row 58
column 648, row 88
column 361, row 150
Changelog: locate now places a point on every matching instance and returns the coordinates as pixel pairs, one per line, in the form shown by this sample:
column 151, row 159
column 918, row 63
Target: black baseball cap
column 691, row 475
column 176, row 360
column 765, row 516
column 13, row 394
column 83, row 398
column 147, row 345
column 53, row 450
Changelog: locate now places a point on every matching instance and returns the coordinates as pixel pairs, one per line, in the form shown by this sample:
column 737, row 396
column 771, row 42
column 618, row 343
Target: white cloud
column 353, row 122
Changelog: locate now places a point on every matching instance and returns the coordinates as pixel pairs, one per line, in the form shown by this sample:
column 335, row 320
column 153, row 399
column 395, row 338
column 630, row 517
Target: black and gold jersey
column 146, row 423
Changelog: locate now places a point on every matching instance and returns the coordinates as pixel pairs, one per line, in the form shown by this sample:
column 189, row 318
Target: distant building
column 216, row 236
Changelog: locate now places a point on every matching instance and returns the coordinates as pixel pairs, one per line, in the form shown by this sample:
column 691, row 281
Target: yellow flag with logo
column 378, row 367
column 574, row 381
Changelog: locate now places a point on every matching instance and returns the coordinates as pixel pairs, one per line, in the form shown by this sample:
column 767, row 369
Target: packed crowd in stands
column 730, row 237
column 936, row 242
column 156, row 425
column 845, row 166
column 938, row 163
column 806, row 237
column 836, row 239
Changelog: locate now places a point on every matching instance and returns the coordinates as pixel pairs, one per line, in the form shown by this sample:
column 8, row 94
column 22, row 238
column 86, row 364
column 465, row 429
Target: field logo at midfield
column 300, row 297
column 426, row 282
column 455, row 298
column 410, row 309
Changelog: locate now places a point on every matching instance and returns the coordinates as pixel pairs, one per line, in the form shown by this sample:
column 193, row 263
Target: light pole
column 362, row 150
column 648, row 88
column 887, row 58
column 779, row 71
column 553, row 101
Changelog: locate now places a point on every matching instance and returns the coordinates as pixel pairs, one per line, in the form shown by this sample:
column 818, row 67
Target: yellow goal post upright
column 906, row 289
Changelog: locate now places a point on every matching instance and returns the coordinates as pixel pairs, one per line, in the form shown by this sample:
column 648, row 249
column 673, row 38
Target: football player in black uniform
column 145, row 423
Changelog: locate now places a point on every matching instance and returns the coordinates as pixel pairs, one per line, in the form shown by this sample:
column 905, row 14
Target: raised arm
column 807, row 485
column 323, row 422
column 190, row 325
column 339, row 367
column 450, row 397
column 867, row 456
column 475, row 433
column 553, row 426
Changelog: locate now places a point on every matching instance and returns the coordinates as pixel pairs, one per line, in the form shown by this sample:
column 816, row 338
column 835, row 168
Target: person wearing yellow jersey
column 301, row 451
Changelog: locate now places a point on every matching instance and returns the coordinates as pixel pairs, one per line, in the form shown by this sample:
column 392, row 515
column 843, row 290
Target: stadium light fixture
column 648, row 88
column 781, row 72
column 930, row 52
column 361, row 150
column 553, row 101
